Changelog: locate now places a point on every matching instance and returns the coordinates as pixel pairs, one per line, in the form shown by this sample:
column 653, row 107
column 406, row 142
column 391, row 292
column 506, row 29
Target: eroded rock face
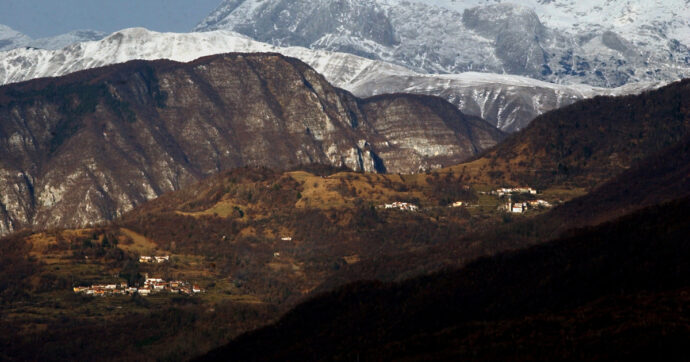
column 87, row 147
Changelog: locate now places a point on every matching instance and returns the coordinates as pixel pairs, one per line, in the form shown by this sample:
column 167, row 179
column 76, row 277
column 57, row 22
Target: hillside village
column 519, row 207
column 151, row 286
column 399, row 205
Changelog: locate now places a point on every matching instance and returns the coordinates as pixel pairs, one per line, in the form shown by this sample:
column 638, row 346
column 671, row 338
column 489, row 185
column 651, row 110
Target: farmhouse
column 401, row 206
column 145, row 259
column 517, row 190
column 539, row 203
column 150, row 259
column 518, row 208
column 161, row 259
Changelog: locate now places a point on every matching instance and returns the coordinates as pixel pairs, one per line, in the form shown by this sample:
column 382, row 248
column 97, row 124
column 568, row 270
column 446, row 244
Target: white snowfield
column 507, row 101
column 12, row 39
column 601, row 43
column 634, row 19
column 138, row 43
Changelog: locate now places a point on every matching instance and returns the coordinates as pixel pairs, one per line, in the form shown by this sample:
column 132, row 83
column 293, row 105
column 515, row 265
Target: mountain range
column 557, row 41
column 433, row 48
column 12, row 39
column 351, row 180
column 294, row 244
column 91, row 145
column 508, row 102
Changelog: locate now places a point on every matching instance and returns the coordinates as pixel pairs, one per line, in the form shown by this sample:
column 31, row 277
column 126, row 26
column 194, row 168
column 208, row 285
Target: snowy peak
column 10, row 38
column 63, row 40
column 508, row 102
column 602, row 44
column 360, row 26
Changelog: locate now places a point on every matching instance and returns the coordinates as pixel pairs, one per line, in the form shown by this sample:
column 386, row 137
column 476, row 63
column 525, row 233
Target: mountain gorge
column 89, row 146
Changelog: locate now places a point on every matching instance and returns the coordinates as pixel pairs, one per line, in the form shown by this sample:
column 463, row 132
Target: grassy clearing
column 224, row 208
column 557, row 194
column 345, row 188
column 140, row 244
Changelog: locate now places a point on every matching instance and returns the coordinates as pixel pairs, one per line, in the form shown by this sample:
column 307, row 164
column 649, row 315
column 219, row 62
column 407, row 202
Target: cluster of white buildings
column 517, row 190
column 401, row 206
column 154, row 259
column 156, row 285
column 102, row 290
column 520, row 207
column 151, row 286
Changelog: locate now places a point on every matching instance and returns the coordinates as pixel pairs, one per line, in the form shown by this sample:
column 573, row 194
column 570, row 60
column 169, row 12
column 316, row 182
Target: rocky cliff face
column 89, row 146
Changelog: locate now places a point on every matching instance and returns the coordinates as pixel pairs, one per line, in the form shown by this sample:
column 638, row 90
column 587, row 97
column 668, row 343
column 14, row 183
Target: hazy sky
column 41, row 18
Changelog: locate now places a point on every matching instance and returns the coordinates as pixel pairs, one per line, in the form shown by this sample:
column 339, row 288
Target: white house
column 517, row 208
column 539, row 203
column 401, row 206
column 160, row 259
column 145, row 259
column 518, row 190
column 152, row 280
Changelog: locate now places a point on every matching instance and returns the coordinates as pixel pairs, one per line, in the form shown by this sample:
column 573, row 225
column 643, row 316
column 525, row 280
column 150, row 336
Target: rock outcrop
column 91, row 145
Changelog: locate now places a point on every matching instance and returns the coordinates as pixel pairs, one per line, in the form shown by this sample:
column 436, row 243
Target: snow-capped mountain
column 509, row 102
column 63, row 40
column 598, row 43
column 138, row 43
column 12, row 39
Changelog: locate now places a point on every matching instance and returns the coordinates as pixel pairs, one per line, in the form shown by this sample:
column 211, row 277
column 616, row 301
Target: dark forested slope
column 590, row 141
column 615, row 291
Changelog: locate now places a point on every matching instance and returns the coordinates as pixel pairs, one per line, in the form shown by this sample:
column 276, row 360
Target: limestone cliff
column 89, row 146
